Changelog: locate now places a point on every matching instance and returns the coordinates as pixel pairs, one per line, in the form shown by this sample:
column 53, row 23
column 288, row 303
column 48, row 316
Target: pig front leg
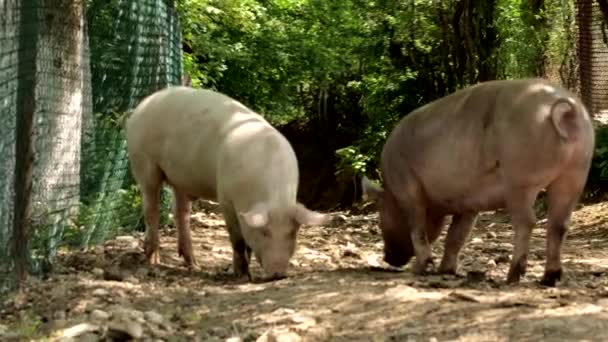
column 458, row 234
column 417, row 220
column 563, row 194
column 181, row 211
column 241, row 253
column 520, row 202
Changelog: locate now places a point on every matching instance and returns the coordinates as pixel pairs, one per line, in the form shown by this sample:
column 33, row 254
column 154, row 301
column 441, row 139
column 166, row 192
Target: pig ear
column 371, row 191
column 256, row 217
column 305, row 216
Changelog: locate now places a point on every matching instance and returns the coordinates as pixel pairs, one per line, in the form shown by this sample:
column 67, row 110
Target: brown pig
column 204, row 144
column 493, row 145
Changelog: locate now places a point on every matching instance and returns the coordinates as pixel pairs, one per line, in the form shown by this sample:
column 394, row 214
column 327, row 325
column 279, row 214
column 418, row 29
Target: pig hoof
column 448, row 271
column 153, row 258
column 192, row 266
column 517, row 269
column 274, row 278
column 425, row 267
column 514, row 276
column 190, row 262
column 242, row 273
column 551, row 277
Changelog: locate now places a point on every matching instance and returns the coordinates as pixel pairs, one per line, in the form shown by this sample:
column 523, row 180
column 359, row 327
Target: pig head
column 493, row 145
column 398, row 248
column 272, row 234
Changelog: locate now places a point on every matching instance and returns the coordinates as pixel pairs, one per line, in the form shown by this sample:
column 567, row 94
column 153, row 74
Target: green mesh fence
column 94, row 60
column 592, row 20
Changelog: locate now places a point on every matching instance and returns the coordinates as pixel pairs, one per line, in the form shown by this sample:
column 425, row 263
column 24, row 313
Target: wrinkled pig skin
column 204, row 144
column 493, row 145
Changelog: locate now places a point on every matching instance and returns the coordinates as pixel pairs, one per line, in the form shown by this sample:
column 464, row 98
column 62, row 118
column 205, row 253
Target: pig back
column 438, row 148
column 457, row 150
column 256, row 164
column 180, row 130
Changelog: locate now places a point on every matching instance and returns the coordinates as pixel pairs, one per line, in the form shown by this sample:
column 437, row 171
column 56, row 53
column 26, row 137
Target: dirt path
column 333, row 293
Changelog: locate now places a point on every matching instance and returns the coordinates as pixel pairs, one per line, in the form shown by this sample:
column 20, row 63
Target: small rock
column 302, row 319
column 491, row 235
column 154, row 317
column 99, row 315
column 338, row 219
column 126, row 314
column 124, row 331
column 89, row 337
column 57, row 324
column 283, row 311
column 476, row 276
column 98, row 272
column 234, row 339
column 100, row 292
column 68, row 339
column 350, row 250
column 156, row 332
column 491, row 264
column 277, row 335
column 504, row 258
column 90, row 307
column 132, row 279
column 476, row 240
column 125, row 238
column 80, row 329
column 11, row 336
column 59, row 315
column 3, row 329
column 166, row 299
column 113, row 274
column 142, row 272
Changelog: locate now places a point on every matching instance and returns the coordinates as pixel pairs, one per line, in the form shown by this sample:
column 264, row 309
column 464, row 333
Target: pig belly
column 483, row 196
column 193, row 187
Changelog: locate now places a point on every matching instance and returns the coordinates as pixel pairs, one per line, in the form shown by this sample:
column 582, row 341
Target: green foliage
column 125, row 206
column 351, row 161
column 354, row 68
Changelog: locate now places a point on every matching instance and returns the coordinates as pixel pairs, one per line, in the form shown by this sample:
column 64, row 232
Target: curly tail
column 123, row 119
column 564, row 120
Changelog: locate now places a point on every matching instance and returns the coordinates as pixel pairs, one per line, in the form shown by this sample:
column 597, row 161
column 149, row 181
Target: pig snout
column 275, row 270
column 396, row 258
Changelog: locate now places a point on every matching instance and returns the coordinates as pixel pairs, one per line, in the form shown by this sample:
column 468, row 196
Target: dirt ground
column 335, row 291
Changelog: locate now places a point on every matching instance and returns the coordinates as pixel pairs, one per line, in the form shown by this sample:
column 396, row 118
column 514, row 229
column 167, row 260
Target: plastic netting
column 591, row 17
column 94, row 60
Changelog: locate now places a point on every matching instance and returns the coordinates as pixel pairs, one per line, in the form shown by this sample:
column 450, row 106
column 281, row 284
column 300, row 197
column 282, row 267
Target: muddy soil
column 338, row 289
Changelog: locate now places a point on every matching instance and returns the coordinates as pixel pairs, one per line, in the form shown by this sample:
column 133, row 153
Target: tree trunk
column 25, row 112
column 63, row 98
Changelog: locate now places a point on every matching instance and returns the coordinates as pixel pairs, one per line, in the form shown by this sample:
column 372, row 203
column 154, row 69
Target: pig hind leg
column 458, row 233
column 150, row 180
column 241, row 253
column 563, row 194
column 181, row 211
column 520, row 204
column 434, row 226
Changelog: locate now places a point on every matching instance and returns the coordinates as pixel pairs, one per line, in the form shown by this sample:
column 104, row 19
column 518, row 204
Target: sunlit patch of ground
column 332, row 293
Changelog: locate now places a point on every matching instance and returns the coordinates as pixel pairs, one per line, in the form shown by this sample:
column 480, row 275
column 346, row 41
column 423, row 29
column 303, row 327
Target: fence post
column 584, row 18
column 24, row 157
